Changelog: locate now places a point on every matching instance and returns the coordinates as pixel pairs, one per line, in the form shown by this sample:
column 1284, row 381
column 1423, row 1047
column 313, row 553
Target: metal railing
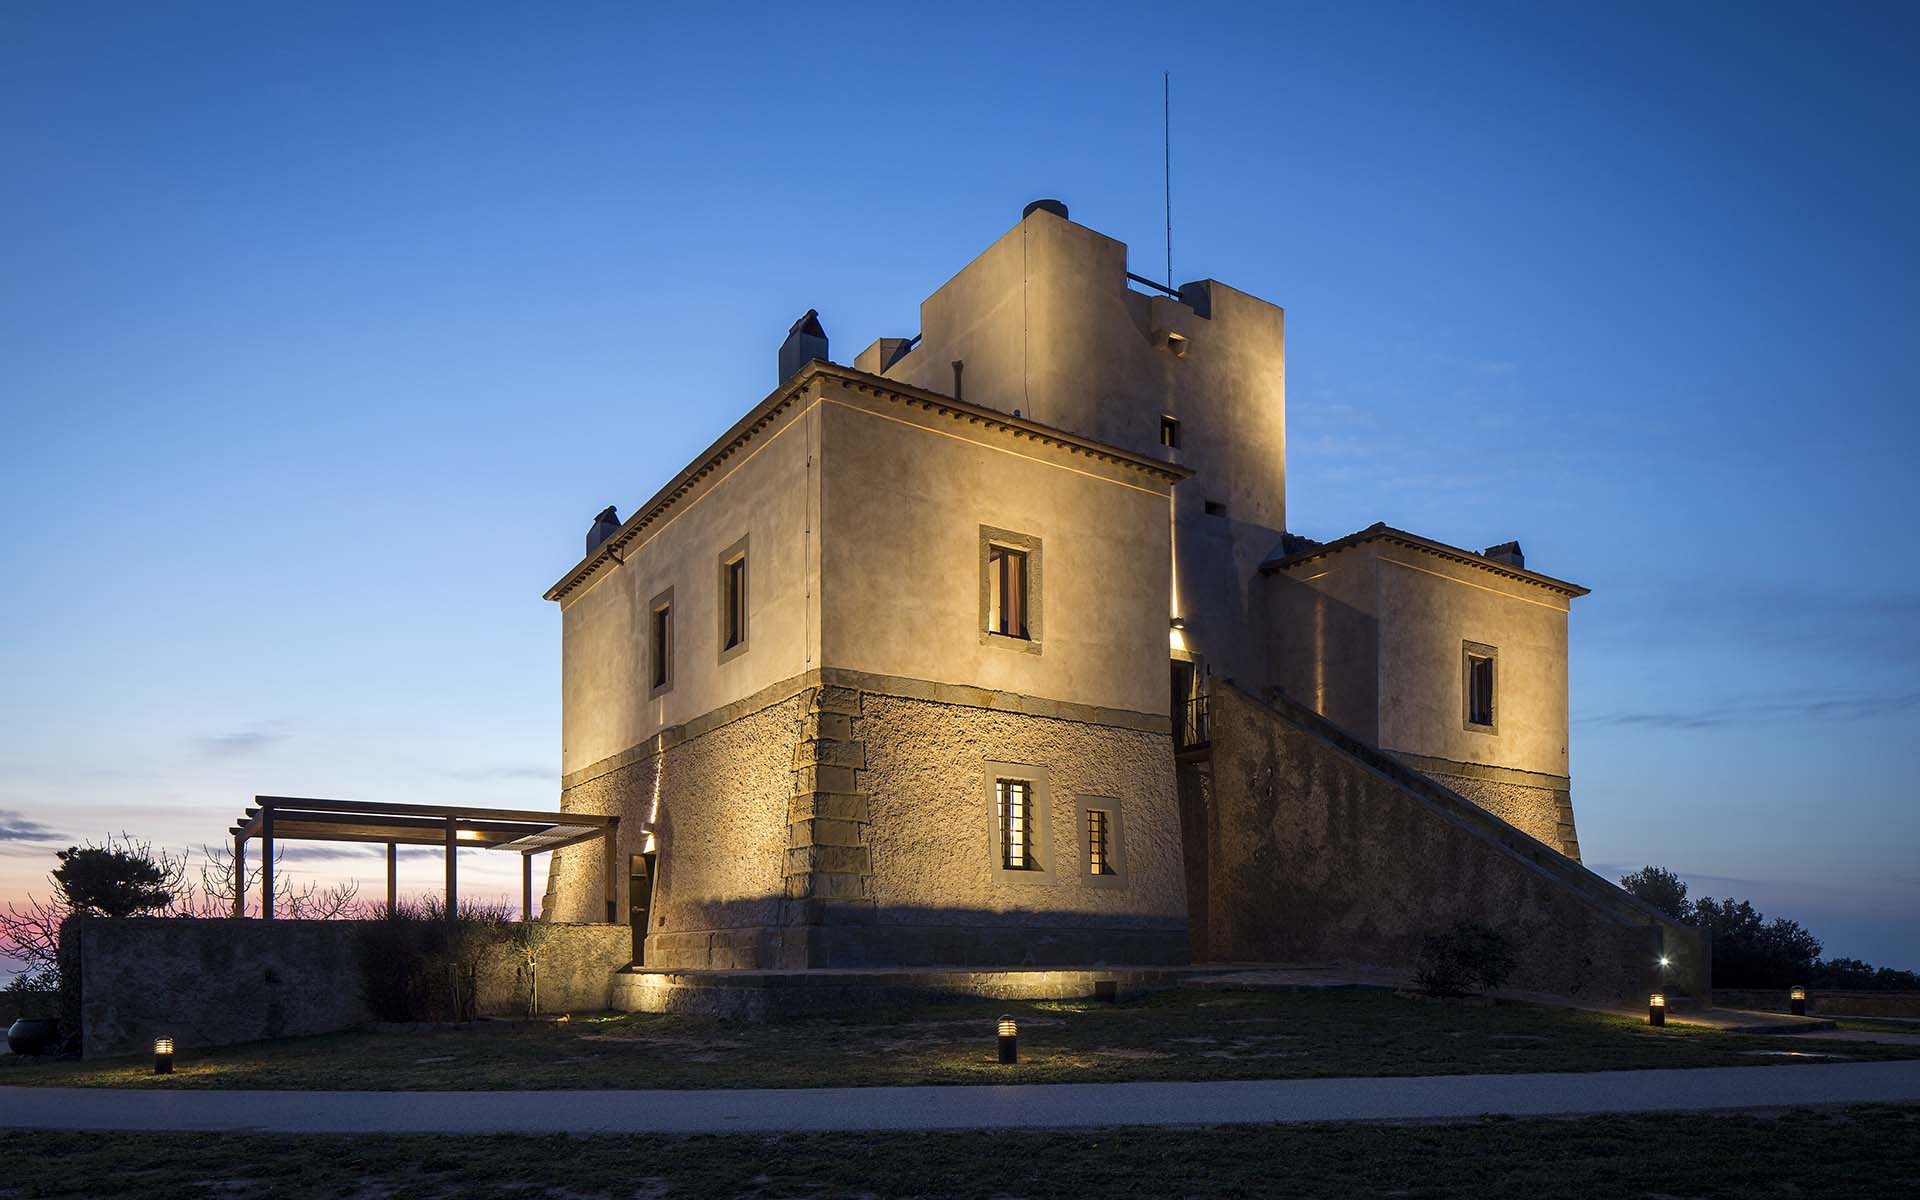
column 1190, row 724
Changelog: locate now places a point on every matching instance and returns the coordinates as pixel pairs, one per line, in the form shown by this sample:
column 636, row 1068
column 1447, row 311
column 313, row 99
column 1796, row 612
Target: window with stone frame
column 660, row 643
column 1015, row 811
column 1480, row 682
column 1018, row 808
column 1010, row 589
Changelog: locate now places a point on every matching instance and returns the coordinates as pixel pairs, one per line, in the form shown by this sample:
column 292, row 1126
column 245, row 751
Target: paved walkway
column 1017, row 1106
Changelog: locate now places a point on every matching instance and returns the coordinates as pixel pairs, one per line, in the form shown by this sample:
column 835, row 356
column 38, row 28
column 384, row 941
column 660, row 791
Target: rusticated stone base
column 774, row 995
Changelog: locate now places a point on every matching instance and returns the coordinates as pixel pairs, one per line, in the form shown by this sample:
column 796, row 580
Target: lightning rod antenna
column 1166, row 161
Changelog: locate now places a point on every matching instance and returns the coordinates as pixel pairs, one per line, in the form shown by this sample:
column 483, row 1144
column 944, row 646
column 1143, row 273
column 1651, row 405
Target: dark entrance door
column 640, row 902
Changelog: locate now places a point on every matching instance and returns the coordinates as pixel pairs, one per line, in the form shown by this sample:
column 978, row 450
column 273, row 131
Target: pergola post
column 526, row 887
column 266, row 860
column 453, row 869
column 239, row 875
column 612, row 843
column 393, row 887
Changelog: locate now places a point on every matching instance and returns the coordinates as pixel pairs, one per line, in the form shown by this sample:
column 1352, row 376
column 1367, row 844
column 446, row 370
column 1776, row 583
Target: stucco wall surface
column 931, row 895
column 720, row 827
column 764, row 495
column 216, row 982
column 1047, row 324
column 1428, row 607
column 932, row 832
column 1318, row 849
column 905, row 496
column 1373, row 636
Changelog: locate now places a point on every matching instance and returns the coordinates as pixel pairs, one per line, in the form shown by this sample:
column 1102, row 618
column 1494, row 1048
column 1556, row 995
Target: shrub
column 1470, row 957
column 116, row 880
column 415, row 965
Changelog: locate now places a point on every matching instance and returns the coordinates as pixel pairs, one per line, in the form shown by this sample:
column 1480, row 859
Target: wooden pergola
column 296, row 818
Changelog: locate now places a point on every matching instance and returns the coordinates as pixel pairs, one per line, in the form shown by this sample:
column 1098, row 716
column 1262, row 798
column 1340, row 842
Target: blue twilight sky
column 326, row 328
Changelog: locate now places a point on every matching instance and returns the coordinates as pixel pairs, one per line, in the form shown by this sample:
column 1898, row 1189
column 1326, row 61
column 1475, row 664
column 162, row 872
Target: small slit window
column 732, row 591
column 1216, row 508
column 660, row 643
column 735, row 574
column 1170, row 432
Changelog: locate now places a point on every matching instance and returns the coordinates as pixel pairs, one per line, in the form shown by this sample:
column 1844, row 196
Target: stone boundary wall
column 213, row 982
column 1306, row 845
column 1823, row 1003
column 777, row 995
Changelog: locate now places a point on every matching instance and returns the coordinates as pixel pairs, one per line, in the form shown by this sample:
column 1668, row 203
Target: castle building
column 994, row 649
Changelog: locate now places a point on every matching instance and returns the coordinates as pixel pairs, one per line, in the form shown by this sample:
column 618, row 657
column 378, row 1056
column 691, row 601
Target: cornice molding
column 793, row 392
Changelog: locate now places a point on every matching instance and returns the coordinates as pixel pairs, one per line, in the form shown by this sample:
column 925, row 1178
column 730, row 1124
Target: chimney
column 604, row 526
column 1506, row 552
column 805, row 342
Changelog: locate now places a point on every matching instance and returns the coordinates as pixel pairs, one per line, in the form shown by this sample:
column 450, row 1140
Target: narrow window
column 734, row 585
column 1007, row 591
column 662, row 647
column 1099, row 861
column 1015, row 811
column 1479, row 690
column 1170, row 432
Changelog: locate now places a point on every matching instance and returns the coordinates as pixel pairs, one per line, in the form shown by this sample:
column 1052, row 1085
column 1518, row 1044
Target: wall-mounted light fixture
column 1657, row 1009
column 1797, row 1000
column 1009, row 1041
column 163, row 1056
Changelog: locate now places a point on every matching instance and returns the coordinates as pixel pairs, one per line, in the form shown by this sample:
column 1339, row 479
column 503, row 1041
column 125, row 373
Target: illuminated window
column 1007, row 591
column 1170, row 432
column 660, row 642
column 1015, row 810
column 1480, row 676
column 1103, row 842
column 1099, row 859
column 1011, row 590
column 733, row 600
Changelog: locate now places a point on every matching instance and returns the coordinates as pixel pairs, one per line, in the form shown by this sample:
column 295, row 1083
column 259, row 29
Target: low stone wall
column 219, row 981
column 778, row 995
column 1306, row 845
column 1821, row 1002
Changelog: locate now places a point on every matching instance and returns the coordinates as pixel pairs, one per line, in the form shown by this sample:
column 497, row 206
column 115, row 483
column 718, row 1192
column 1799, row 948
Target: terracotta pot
column 33, row 1035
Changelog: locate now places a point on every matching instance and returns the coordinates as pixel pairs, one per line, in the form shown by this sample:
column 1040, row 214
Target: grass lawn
column 1865, row 1151
column 1871, row 1025
column 1188, row 1034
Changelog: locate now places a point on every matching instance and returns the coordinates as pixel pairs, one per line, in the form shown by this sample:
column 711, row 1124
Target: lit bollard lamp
column 163, row 1056
column 1657, row 1009
column 1009, row 1041
column 1797, row 1001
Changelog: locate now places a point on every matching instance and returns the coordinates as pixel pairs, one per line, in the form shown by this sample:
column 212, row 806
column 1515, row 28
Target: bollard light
column 1657, row 1009
column 1009, row 1041
column 163, row 1056
column 1797, row 1001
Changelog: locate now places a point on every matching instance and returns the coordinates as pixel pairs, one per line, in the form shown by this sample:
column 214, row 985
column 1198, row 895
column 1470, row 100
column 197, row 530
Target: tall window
column 1015, row 797
column 1170, row 432
column 1480, row 683
column 1099, row 858
column 736, row 603
column 662, row 645
column 1007, row 591
column 733, row 603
